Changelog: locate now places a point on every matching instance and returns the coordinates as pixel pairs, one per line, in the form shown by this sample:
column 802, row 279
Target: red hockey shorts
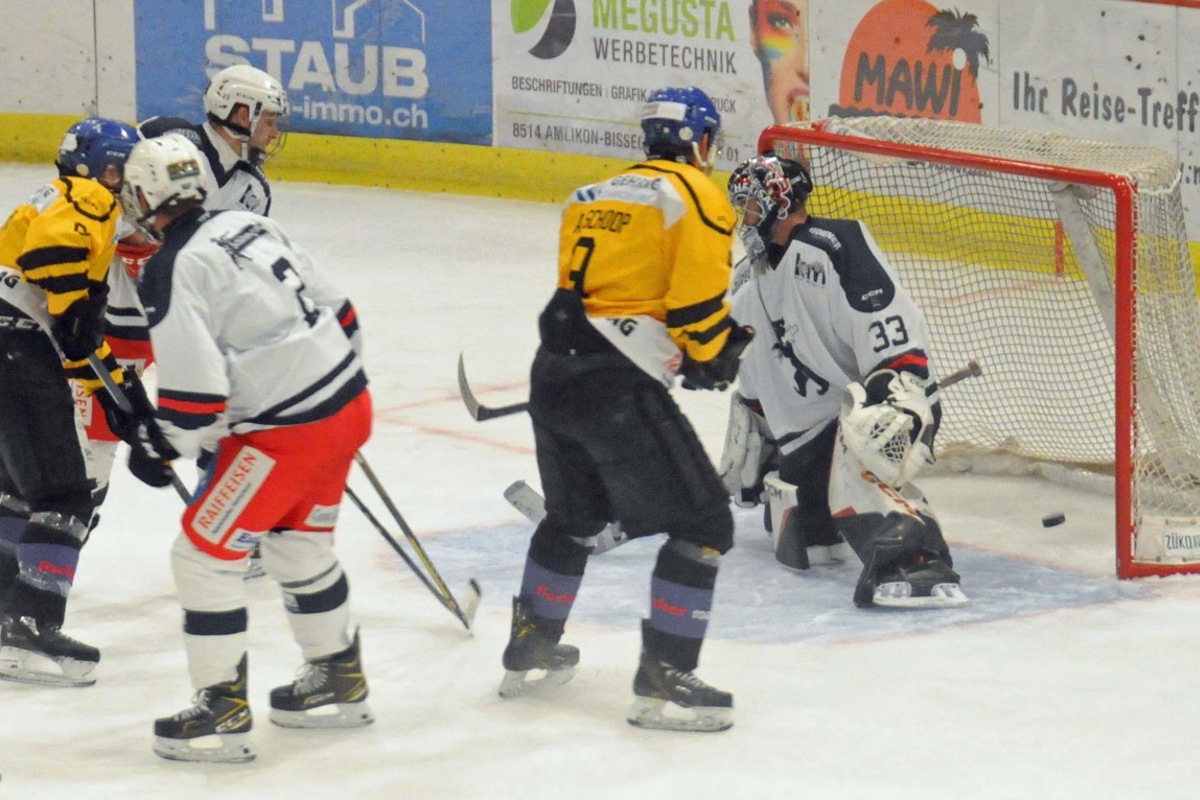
column 290, row 477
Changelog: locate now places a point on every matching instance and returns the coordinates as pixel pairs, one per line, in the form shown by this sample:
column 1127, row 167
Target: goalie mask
column 764, row 190
column 166, row 173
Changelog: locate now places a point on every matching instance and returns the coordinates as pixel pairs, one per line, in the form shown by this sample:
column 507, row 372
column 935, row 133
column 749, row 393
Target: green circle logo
column 560, row 30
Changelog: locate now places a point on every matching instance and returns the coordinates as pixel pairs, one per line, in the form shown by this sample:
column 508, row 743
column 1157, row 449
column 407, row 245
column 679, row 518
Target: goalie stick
column 482, row 413
column 524, row 498
column 465, row 611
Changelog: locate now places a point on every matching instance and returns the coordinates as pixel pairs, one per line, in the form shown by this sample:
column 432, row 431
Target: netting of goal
column 1062, row 266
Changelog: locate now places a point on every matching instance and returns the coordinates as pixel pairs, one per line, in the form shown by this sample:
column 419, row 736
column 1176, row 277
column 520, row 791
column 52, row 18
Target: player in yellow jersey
column 55, row 251
column 644, row 262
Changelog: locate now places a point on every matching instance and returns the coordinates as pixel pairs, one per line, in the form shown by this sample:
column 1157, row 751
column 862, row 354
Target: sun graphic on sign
column 906, row 58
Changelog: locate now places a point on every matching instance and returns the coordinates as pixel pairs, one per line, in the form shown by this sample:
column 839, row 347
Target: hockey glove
column 79, row 331
column 722, row 370
column 124, row 423
column 150, row 457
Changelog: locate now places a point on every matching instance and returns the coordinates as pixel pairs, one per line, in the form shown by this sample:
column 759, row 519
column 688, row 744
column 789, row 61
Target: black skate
column 529, row 649
column 330, row 692
column 216, row 727
column 925, row 583
column 662, row 692
column 33, row 653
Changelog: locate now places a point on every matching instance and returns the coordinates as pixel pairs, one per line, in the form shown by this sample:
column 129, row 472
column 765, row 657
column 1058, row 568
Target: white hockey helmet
column 258, row 91
column 165, row 173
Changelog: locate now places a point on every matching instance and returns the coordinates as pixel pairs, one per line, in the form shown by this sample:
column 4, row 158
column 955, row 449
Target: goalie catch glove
column 890, row 436
column 749, row 449
column 723, row 368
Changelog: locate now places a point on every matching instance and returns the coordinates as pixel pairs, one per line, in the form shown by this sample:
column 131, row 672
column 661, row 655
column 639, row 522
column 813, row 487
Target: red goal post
column 1062, row 265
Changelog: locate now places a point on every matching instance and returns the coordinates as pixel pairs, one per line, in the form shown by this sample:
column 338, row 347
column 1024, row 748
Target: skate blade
column 254, row 570
column 516, row 682
column 24, row 666
column 332, row 715
column 660, row 715
column 229, row 748
column 899, row 595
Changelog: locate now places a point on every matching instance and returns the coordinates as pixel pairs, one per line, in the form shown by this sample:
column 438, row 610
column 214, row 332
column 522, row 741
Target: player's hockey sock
column 548, row 596
column 681, row 594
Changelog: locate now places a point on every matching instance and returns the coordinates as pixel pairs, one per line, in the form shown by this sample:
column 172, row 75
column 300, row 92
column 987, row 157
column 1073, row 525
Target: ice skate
column 672, row 699
column 33, row 653
column 929, row 584
column 216, row 727
column 330, row 692
column 528, row 650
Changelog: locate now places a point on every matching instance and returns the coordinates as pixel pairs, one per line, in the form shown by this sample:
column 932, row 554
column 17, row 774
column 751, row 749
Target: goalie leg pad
column 748, row 451
column 794, row 526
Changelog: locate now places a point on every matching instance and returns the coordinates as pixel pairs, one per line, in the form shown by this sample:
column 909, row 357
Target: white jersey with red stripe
column 828, row 311
column 247, row 333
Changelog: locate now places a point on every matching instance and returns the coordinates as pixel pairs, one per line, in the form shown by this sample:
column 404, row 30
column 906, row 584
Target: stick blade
column 470, row 603
column 524, row 498
column 464, row 389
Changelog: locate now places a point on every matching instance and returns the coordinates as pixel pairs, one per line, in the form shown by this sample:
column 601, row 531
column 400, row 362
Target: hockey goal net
column 1062, row 266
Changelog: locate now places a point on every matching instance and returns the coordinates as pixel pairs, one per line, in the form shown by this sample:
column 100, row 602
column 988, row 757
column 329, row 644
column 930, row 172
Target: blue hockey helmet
column 92, row 144
column 674, row 120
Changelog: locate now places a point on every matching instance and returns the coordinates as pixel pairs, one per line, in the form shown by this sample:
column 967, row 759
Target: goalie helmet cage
column 1062, row 265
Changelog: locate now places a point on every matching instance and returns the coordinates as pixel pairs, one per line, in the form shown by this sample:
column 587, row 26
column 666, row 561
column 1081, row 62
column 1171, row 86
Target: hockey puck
column 1050, row 520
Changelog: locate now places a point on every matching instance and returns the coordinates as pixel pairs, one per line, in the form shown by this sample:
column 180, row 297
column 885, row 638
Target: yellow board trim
column 412, row 166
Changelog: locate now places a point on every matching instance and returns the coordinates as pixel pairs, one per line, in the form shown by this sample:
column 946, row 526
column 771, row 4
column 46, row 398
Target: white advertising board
column 572, row 76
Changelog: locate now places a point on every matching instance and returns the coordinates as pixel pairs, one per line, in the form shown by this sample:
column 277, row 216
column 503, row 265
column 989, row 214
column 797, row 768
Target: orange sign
column 906, row 58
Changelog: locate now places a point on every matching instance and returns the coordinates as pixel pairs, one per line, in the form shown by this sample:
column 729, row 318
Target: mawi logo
column 908, row 59
column 560, row 30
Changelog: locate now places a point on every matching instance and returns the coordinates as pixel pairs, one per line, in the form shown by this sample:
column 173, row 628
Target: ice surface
column 1058, row 681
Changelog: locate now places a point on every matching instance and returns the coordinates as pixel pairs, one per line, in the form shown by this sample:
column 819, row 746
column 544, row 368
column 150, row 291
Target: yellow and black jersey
column 653, row 241
column 62, row 241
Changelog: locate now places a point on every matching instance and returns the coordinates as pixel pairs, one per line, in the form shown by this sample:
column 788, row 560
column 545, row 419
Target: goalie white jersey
column 247, row 334
column 833, row 312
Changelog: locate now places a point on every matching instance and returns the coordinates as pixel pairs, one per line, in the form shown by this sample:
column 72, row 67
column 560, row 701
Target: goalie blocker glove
column 722, row 370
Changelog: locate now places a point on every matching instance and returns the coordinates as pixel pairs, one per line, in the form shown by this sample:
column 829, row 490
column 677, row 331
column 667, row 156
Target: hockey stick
column 396, row 546
column 524, row 498
column 464, row 611
column 478, row 411
column 118, row 395
column 971, row 370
